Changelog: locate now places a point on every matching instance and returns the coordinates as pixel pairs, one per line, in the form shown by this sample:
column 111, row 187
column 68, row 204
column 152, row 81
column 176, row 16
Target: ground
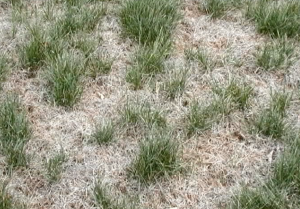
column 218, row 162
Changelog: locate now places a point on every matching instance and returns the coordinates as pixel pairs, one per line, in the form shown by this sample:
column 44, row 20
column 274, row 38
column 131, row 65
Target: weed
column 215, row 8
column 158, row 157
column 104, row 133
column 146, row 20
column 64, row 79
column 271, row 121
column 201, row 57
column 276, row 18
column 275, row 55
column 54, row 166
column 176, row 84
column 15, row 131
column 239, row 93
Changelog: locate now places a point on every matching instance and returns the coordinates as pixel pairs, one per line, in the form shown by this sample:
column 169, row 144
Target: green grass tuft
column 104, row 199
column 64, row 74
column 176, row 84
column 271, row 121
column 275, row 55
column 202, row 117
column 146, row 20
column 216, row 8
column 54, row 166
column 104, row 133
column 143, row 114
column 148, row 62
column 3, row 69
column 14, row 132
column 7, row 201
column 98, row 66
column 238, row 92
column 158, row 157
column 202, row 57
column 276, row 18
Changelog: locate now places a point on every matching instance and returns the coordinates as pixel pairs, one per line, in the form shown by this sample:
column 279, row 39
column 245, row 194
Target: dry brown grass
column 218, row 161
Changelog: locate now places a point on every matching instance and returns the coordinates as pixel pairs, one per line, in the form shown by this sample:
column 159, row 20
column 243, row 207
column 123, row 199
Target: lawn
column 159, row 104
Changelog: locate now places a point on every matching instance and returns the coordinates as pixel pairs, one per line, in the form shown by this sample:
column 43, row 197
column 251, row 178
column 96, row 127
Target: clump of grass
column 275, row 55
column 146, row 20
column 286, row 169
column 271, row 121
column 135, row 114
column 264, row 197
column 276, row 18
column 239, row 93
column 33, row 53
column 216, row 8
column 98, row 65
column 7, row 201
column 54, row 166
column 201, row 57
column 104, row 133
column 65, row 79
column 104, row 199
column 87, row 46
column 77, row 19
column 202, row 117
column 176, row 84
column 148, row 62
column 14, row 132
column 158, row 157
column 3, row 69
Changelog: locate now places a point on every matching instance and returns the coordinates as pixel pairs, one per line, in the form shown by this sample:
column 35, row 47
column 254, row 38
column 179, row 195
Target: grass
column 86, row 45
column 98, row 66
column 158, row 157
column 104, row 133
column 33, row 53
column 238, row 92
column 266, row 197
column 202, row 57
column 148, row 62
column 144, row 114
column 103, row 199
column 54, row 166
column 276, row 18
column 271, row 121
column 216, row 8
column 64, row 74
column 15, row 132
column 7, row 201
column 176, row 84
column 281, row 190
column 201, row 117
column 3, row 68
column 275, row 55
column 77, row 19
column 146, row 20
